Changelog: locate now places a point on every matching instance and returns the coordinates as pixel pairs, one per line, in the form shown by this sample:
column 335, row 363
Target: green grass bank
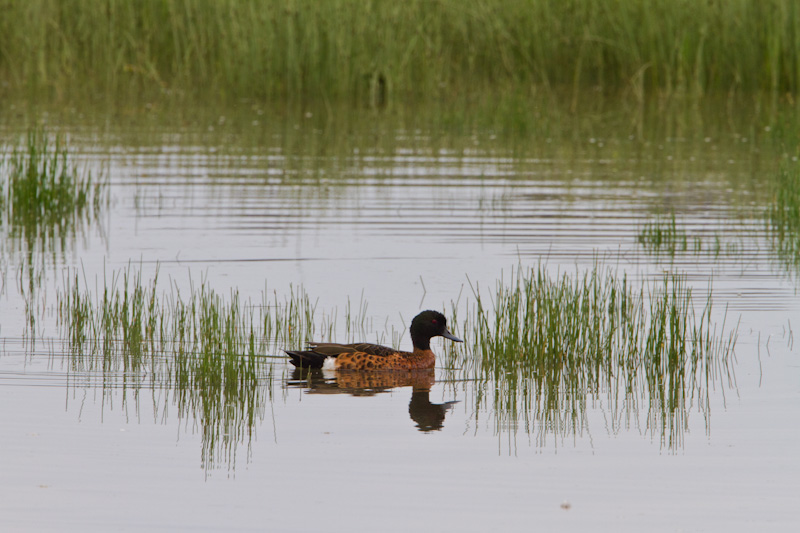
column 379, row 52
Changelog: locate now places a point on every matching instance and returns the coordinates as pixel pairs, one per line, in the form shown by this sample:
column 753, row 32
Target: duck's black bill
column 448, row 335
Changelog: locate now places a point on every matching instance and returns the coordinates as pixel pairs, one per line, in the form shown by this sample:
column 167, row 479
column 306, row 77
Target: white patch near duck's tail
column 329, row 363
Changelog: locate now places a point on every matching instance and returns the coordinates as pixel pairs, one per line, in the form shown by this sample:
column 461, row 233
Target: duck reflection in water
column 427, row 416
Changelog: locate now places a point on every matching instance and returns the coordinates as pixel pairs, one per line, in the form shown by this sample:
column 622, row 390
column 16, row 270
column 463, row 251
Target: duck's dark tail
column 306, row 359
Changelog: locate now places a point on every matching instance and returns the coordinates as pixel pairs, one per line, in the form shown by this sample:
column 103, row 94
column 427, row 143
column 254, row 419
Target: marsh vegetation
column 47, row 201
column 633, row 162
column 378, row 52
column 549, row 346
column 214, row 356
column 546, row 348
column 783, row 213
column 46, row 198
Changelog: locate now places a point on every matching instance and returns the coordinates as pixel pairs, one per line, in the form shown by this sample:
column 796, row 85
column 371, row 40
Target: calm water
column 400, row 220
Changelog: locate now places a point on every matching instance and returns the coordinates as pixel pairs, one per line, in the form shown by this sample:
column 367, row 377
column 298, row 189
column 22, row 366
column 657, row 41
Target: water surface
column 392, row 220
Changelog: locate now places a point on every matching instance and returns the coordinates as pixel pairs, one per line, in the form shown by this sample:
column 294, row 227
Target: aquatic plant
column 208, row 351
column 783, row 214
column 45, row 201
column 549, row 347
column 545, row 350
column 377, row 52
column 43, row 194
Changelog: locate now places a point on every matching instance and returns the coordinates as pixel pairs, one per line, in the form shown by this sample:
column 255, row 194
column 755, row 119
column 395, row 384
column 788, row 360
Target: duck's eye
column 434, row 321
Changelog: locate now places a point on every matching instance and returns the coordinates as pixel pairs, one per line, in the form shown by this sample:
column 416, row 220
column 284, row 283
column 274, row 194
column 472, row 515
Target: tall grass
column 551, row 346
column 374, row 51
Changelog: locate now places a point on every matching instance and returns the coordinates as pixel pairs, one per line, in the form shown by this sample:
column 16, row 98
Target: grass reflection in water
column 548, row 350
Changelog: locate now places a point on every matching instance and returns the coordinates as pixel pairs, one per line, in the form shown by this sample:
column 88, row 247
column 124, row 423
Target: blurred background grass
column 377, row 52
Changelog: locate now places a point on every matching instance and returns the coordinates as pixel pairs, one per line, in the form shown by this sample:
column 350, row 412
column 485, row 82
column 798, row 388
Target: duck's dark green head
column 429, row 324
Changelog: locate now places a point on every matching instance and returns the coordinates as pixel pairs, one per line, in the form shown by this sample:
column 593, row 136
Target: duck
column 365, row 356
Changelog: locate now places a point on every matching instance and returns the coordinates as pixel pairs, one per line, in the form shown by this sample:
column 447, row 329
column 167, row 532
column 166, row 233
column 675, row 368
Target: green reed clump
column 45, row 201
column 375, row 51
column 205, row 349
column 132, row 323
column 43, row 192
column 783, row 213
column 551, row 345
